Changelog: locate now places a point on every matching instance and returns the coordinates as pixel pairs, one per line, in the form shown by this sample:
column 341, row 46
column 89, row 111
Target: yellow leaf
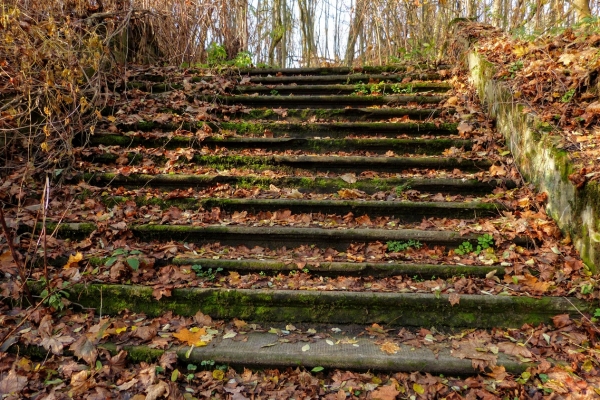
column 121, row 330
column 44, row 146
column 389, row 347
column 111, row 118
column 520, row 51
column 418, row 388
column 191, row 338
column 73, row 260
column 218, row 374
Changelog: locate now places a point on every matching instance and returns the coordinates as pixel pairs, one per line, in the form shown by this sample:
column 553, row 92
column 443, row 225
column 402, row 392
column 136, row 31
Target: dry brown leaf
column 202, row 319
column 160, row 389
column 514, row 349
column 464, row 127
column 349, row 177
column 389, row 347
column 474, row 351
column 562, row 320
column 12, row 383
column 385, row 393
column 147, row 332
column 454, row 298
column 85, row 349
column 498, row 170
column 498, row 373
column 349, row 194
column 167, row 360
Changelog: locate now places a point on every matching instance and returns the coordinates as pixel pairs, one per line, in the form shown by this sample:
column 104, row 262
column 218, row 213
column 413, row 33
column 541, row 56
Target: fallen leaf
column 514, row 349
column 562, row 320
column 12, row 383
column 385, row 393
column 464, row 127
column 160, row 389
column 191, row 338
column 147, row 332
column 73, row 260
column 418, row 388
column 454, row 298
column 349, row 177
column 167, row 360
column 85, row 350
column 389, row 347
column 202, row 319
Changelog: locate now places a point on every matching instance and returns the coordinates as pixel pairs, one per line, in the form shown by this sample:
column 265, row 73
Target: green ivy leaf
column 134, row 263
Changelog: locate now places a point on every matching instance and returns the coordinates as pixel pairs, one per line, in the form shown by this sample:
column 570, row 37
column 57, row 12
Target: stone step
column 319, row 101
column 360, row 89
column 376, row 269
column 355, row 164
column 345, row 78
column 328, row 307
column 408, row 211
column 307, row 130
column 306, row 88
column 277, row 236
column 259, row 350
column 274, row 237
column 380, row 145
column 320, row 71
column 267, row 351
column 316, row 185
column 340, row 114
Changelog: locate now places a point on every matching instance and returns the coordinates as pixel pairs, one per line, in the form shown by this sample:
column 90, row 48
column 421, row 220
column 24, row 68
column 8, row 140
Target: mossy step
column 409, row 211
column 306, row 114
column 344, row 268
column 381, row 145
column 340, row 114
column 333, row 129
column 306, row 89
column 319, row 101
column 265, row 351
column 305, row 185
column 340, row 129
column 329, row 307
column 364, row 89
column 339, row 70
column 312, row 163
column 347, row 79
column 279, row 236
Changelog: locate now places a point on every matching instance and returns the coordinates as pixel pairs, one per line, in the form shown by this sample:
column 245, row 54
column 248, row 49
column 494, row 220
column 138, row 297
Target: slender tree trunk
column 355, row 30
column 582, row 9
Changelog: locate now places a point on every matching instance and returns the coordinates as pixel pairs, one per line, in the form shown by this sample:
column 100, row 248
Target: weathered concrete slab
column 257, row 350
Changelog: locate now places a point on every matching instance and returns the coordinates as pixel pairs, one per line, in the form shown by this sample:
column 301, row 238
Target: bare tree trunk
column 497, row 13
column 276, row 30
column 355, row 30
column 307, row 27
column 582, row 9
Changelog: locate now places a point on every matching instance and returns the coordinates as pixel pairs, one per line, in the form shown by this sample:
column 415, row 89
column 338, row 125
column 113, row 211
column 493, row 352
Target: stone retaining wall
column 541, row 162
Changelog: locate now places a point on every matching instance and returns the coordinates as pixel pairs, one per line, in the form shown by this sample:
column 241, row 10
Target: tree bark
column 582, row 9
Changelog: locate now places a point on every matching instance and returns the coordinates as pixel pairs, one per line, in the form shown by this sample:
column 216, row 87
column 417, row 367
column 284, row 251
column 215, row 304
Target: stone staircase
column 313, row 203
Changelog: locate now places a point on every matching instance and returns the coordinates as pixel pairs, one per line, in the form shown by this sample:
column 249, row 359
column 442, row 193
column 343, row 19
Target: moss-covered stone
column 331, row 307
